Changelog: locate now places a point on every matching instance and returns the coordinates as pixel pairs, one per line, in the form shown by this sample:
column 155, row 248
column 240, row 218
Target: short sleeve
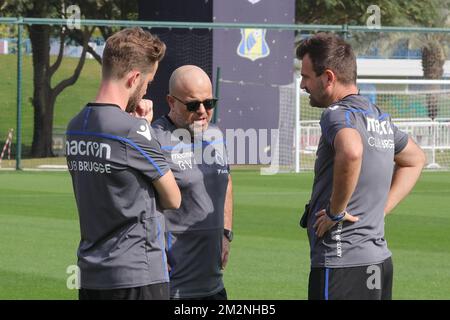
column 400, row 139
column 334, row 119
column 144, row 152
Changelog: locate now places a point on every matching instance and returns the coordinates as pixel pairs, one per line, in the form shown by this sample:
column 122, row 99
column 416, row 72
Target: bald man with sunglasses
column 198, row 234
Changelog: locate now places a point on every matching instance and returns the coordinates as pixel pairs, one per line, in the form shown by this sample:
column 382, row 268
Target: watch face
column 228, row 234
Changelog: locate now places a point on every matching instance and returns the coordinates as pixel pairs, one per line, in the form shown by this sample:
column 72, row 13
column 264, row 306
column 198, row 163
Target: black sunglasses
column 193, row 106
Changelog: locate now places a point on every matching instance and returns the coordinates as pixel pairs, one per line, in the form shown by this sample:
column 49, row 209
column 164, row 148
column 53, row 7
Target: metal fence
column 394, row 48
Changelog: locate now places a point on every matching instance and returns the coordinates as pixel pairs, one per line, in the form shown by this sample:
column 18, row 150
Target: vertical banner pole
column 216, row 94
column 19, row 95
column 297, row 124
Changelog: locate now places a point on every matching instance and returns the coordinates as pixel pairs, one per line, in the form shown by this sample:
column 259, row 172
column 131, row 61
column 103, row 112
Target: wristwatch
column 228, row 234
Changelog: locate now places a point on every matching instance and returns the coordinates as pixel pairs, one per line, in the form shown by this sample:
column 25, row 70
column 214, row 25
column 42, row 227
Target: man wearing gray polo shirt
column 356, row 183
column 199, row 232
column 118, row 173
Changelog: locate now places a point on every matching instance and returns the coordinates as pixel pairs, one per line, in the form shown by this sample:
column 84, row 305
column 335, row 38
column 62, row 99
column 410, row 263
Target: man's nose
column 201, row 109
column 302, row 84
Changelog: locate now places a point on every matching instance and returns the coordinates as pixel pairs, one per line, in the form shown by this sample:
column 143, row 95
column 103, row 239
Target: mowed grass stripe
column 265, row 267
column 31, row 286
column 36, row 252
column 421, row 274
column 39, row 235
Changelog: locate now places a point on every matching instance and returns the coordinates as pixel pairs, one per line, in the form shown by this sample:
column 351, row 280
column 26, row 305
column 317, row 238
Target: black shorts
column 372, row 282
column 221, row 295
column 159, row 291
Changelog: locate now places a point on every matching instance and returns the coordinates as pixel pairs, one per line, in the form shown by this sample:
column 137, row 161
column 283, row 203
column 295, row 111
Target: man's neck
column 173, row 119
column 343, row 91
column 170, row 117
column 112, row 92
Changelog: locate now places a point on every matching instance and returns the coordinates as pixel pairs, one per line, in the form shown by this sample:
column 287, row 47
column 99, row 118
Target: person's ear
column 133, row 79
column 170, row 101
column 328, row 78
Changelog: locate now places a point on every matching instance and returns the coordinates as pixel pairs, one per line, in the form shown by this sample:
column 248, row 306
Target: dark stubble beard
column 134, row 99
column 316, row 103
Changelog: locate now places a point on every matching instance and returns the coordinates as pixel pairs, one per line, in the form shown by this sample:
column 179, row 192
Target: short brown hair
column 129, row 49
column 329, row 51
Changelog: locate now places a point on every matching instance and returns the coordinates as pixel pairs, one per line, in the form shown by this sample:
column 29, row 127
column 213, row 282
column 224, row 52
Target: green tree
column 433, row 13
column 44, row 94
column 354, row 12
column 105, row 10
column 434, row 55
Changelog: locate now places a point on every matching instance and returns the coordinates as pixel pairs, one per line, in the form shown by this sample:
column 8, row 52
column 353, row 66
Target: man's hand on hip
column 324, row 223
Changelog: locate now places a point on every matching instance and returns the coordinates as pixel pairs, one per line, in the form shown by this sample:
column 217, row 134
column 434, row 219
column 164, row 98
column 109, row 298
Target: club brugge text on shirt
column 91, row 149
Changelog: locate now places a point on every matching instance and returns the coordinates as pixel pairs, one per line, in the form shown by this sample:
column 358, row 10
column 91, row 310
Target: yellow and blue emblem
column 253, row 44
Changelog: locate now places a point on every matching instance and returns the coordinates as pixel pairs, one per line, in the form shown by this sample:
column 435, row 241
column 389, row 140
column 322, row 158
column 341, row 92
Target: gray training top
column 194, row 232
column 113, row 159
column 360, row 243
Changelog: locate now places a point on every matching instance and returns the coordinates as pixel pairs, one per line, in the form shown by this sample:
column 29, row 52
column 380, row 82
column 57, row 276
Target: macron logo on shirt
column 145, row 132
column 334, row 107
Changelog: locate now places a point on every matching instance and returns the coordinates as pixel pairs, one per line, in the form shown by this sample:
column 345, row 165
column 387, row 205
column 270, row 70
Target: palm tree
column 433, row 59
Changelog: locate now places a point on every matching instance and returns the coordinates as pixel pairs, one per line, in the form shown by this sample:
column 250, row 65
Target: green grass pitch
column 39, row 234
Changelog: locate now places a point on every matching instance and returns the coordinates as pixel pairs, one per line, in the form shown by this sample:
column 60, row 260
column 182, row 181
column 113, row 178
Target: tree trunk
column 43, row 129
column 433, row 59
column 44, row 96
column 43, row 100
